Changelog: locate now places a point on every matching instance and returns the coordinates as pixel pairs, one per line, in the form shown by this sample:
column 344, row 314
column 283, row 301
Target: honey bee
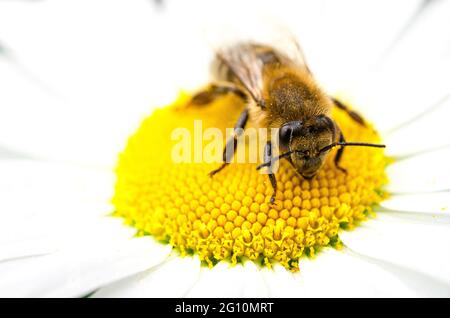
column 279, row 92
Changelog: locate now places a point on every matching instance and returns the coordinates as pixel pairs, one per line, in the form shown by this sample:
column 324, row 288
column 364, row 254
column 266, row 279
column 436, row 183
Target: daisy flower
column 77, row 83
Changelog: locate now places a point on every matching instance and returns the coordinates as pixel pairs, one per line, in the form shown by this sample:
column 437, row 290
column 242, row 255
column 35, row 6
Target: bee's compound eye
column 285, row 135
column 289, row 130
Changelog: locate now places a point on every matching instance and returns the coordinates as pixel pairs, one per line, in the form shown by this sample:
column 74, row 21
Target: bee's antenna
column 326, row 148
column 345, row 144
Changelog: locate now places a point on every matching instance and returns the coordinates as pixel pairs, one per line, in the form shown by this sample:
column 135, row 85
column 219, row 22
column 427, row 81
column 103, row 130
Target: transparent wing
column 245, row 66
column 265, row 31
column 241, row 52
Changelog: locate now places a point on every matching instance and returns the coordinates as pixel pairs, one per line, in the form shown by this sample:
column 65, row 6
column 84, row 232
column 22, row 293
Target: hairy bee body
column 280, row 92
column 285, row 88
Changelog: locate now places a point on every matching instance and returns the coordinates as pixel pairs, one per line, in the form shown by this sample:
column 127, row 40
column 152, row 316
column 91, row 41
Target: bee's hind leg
column 230, row 148
column 354, row 115
column 213, row 91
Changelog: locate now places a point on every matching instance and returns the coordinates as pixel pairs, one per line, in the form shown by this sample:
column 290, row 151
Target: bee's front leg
column 213, row 91
column 268, row 158
column 354, row 115
column 230, row 148
column 339, row 153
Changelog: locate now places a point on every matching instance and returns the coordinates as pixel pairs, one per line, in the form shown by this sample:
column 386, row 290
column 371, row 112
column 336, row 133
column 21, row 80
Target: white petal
column 26, row 248
column 79, row 271
column 417, row 283
column 429, row 172
column 223, row 280
column 180, row 277
column 173, row 278
column 414, row 77
column 49, row 234
column 346, row 274
column 415, row 246
column 340, row 274
column 43, row 127
column 52, row 189
column 426, row 41
column 282, row 283
column 345, row 39
column 255, row 286
column 436, row 205
column 427, row 132
column 64, row 205
column 64, row 212
column 51, row 184
column 103, row 88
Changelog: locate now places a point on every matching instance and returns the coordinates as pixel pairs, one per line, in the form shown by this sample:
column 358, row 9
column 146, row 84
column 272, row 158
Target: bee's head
column 306, row 139
column 306, row 144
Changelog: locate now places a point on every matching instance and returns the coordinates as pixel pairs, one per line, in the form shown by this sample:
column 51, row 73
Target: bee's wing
column 287, row 44
column 246, row 63
column 241, row 59
column 265, row 31
column 235, row 48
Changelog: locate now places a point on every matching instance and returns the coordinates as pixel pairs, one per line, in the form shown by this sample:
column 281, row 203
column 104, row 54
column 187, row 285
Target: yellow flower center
column 229, row 216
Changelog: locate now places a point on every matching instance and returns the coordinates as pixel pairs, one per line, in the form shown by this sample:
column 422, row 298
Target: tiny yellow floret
column 229, row 216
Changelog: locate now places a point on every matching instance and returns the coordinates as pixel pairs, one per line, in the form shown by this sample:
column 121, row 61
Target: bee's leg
column 354, row 115
column 214, row 91
column 339, row 154
column 230, row 148
column 268, row 158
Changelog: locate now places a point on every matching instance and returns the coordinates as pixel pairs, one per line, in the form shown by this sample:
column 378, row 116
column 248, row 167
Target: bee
column 279, row 92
